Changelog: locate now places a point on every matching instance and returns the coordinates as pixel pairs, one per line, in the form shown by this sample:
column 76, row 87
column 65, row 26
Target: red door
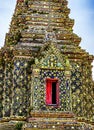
column 52, row 93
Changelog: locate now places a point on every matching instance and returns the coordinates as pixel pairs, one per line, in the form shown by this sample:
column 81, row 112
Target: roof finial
column 50, row 34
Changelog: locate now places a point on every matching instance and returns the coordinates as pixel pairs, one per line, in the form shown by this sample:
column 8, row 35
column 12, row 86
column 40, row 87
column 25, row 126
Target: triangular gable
column 51, row 57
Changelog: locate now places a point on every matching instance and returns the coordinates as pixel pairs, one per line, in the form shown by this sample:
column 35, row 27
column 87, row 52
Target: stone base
column 56, row 126
column 55, row 121
column 7, row 126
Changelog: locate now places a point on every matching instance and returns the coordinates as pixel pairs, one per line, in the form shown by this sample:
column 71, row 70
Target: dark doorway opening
column 53, row 92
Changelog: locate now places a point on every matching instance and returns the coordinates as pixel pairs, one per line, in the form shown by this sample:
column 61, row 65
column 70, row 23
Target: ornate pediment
column 51, row 58
column 52, row 61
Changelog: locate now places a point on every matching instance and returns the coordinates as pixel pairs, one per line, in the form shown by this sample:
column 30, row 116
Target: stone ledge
column 52, row 114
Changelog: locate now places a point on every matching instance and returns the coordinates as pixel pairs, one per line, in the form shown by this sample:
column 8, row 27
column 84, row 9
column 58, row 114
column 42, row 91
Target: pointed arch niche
column 49, row 82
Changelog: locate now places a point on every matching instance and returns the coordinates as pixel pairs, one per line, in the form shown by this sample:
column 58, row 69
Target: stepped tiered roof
column 41, row 49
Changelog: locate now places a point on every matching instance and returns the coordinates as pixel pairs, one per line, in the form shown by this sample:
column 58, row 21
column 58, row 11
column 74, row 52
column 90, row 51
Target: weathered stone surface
column 7, row 126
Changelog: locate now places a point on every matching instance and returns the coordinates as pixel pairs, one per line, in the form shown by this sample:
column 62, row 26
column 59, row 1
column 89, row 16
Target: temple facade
column 44, row 72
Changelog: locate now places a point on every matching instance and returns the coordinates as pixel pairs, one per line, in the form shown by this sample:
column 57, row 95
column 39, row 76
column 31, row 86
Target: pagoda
column 45, row 76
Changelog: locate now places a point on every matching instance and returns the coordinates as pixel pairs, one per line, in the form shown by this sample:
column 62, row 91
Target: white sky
column 83, row 13
column 81, row 10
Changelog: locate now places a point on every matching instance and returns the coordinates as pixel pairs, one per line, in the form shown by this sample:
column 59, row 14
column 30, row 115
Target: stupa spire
column 38, row 16
column 44, row 72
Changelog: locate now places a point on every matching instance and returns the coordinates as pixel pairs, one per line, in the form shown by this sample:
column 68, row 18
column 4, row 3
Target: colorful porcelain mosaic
column 21, row 88
column 43, row 68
